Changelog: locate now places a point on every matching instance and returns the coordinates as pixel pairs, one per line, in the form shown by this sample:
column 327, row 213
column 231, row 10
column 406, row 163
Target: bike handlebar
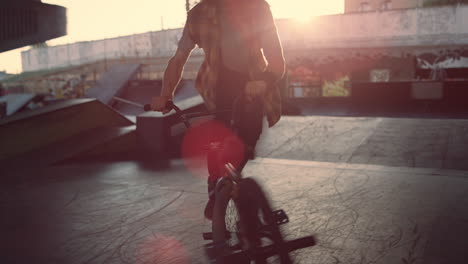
column 171, row 106
column 184, row 117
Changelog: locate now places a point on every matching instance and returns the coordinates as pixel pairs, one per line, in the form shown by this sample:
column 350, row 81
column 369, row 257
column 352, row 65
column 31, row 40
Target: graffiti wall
column 444, row 58
column 329, row 73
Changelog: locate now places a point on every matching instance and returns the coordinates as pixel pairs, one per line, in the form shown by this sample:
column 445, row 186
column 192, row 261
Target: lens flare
column 202, row 137
column 163, row 249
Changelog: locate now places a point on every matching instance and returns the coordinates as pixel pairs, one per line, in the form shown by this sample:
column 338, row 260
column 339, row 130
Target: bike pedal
column 208, row 236
column 280, row 217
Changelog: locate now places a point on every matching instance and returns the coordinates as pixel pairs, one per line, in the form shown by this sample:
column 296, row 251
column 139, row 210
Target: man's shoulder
column 205, row 6
column 198, row 9
column 260, row 4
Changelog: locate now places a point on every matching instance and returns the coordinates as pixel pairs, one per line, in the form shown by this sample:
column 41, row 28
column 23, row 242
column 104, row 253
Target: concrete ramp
column 112, row 82
column 138, row 91
column 36, row 129
column 15, row 102
column 102, row 143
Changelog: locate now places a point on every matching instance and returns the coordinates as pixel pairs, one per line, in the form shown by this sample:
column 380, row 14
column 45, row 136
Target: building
column 4, row 74
column 373, row 5
column 29, row 22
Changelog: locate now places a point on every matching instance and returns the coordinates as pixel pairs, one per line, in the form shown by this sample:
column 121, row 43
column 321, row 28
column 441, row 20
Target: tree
column 39, row 45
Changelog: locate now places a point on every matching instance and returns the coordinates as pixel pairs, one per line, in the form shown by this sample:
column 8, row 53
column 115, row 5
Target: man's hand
column 255, row 89
column 158, row 103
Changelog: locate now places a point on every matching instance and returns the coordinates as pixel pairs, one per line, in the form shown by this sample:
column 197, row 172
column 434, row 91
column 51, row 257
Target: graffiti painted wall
column 329, row 73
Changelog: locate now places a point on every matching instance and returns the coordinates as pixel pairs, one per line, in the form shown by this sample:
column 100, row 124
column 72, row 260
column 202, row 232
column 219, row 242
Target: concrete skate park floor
column 372, row 190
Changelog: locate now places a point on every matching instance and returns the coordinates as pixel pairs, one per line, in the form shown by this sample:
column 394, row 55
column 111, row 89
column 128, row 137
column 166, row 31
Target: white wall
column 404, row 27
column 151, row 44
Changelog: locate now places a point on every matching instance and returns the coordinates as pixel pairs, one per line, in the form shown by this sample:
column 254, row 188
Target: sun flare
column 149, row 15
column 304, row 10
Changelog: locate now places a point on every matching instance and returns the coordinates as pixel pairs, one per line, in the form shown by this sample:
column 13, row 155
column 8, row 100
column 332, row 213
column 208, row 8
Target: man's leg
column 248, row 122
column 214, row 163
column 214, row 173
column 230, row 87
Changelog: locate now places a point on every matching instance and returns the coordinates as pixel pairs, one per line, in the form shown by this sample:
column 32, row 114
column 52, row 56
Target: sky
column 100, row 19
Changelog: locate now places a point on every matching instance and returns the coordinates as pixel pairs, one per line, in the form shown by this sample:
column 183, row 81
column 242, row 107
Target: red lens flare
column 198, row 139
column 163, row 249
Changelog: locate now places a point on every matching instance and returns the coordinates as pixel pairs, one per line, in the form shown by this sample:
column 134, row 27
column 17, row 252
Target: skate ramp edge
column 36, row 129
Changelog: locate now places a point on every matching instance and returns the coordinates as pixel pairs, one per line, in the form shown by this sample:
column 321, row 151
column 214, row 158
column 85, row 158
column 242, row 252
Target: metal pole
column 128, row 102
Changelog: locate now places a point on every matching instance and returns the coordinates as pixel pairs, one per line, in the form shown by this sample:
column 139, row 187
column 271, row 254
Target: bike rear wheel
column 262, row 229
column 227, row 237
column 246, row 224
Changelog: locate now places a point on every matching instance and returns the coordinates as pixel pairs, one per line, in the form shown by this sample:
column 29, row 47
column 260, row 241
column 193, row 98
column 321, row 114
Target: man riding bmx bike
column 243, row 60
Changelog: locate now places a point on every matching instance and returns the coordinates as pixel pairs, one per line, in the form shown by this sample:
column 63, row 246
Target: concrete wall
column 151, row 44
column 355, row 5
column 421, row 27
column 395, row 28
column 449, row 95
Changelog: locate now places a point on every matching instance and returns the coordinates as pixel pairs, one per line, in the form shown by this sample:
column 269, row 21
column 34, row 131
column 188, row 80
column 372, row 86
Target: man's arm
column 176, row 64
column 273, row 52
column 173, row 72
column 272, row 48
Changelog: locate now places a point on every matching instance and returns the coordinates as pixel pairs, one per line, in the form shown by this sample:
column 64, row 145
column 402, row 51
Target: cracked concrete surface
column 370, row 214
column 372, row 190
column 405, row 142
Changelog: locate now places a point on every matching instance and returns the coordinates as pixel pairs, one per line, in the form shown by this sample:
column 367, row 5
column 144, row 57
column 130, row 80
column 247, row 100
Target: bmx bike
column 245, row 228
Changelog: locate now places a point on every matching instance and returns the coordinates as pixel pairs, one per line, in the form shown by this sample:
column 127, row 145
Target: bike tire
column 223, row 232
column 256, row 210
